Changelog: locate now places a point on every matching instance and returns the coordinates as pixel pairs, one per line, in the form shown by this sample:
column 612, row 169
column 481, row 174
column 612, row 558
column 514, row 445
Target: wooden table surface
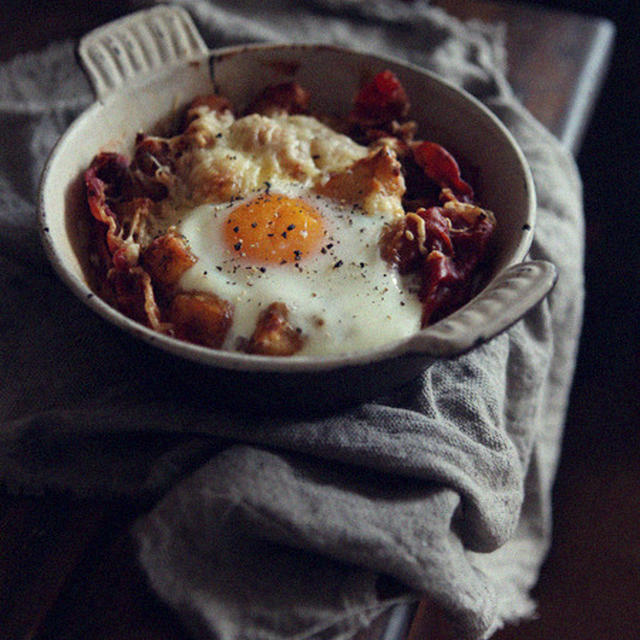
column 67, row 567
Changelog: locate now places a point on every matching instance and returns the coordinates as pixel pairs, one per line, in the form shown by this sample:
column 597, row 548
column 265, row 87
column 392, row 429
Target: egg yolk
column 274, row 228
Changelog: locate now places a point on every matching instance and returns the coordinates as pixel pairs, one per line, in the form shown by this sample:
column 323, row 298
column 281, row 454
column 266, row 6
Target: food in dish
column 280, row 231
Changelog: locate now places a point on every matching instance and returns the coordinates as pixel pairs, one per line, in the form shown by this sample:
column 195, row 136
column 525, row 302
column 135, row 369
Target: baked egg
column 296, row 218
column 318, row 256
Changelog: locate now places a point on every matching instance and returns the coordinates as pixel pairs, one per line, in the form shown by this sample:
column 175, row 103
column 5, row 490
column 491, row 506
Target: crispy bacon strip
column 112, row 200
column 134, row 296
column 105, row 179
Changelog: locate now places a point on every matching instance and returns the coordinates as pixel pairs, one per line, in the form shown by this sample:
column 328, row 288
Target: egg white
column 345, row 298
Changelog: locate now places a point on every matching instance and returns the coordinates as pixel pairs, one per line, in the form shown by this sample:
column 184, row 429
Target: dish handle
column 135, row 46
column 507, row 298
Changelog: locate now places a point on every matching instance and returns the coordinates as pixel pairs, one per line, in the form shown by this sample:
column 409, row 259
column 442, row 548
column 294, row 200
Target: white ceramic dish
column 145, row 65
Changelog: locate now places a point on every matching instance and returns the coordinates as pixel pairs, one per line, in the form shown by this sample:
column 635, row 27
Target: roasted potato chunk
column 166, row 259
column 273, row 335
column 201, row 318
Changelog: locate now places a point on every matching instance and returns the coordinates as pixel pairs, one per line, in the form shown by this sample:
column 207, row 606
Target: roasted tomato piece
column 200, row 317
column 446, row 286
column 441, row 167
column 445, row 245
column 287, row 96
column 273, row 335
column 449, row 281
column 380, row 101
column 167, row 258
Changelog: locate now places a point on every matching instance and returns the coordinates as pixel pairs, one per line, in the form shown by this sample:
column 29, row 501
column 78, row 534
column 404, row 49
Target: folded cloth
column 274, row 527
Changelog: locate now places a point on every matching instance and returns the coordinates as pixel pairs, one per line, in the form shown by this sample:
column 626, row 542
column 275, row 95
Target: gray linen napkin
column 273, row 528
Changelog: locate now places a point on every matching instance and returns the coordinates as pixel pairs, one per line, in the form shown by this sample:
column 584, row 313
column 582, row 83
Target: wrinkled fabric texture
column 274, row 527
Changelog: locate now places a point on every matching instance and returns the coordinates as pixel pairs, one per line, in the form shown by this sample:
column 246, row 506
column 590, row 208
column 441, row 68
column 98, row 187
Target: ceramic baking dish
column 147, row 65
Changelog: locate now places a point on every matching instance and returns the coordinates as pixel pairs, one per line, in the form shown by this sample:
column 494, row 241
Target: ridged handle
column 130, row 49
column 515, row 291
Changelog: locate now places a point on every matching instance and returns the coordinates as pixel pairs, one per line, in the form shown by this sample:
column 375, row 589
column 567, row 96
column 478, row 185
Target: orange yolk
column 274, row 228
